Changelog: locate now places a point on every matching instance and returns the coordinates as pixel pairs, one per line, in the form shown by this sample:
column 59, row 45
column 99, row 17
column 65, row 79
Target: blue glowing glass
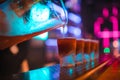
column 39, row 12
column 92, row 55
column 79, row 57
column 87, row 57
column 87, row 66
column 43, row 36
column 69, row 59
column 40, row 74
column 92, row 64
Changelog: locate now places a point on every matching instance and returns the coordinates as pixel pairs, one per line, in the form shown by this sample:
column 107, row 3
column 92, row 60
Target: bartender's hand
column 3, row 23
column 21, row 6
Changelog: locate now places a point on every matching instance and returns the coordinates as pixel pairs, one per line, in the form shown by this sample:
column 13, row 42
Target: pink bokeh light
column 115, row 11
column 106, row 34
column 105, row 12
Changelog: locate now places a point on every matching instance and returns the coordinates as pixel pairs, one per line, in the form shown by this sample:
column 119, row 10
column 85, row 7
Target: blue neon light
column 40, row 74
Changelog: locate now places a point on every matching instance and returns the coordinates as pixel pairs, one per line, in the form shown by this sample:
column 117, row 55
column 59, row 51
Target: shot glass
column 97, row 49
column 87, row 50
column 93, row 47
column 79, row 50
column 67, row 51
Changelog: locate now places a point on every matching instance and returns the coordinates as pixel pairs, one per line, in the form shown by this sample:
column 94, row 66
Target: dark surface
column 9, row 63
column 53, row 72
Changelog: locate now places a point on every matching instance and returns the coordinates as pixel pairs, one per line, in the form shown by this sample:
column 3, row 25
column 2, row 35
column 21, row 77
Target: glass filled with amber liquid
column 96, row 49
column 93, row 48
column 67, row 51
column 79, row 50
column 87, row 50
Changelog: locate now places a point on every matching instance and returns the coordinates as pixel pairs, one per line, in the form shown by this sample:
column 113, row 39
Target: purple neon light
column 106, row 34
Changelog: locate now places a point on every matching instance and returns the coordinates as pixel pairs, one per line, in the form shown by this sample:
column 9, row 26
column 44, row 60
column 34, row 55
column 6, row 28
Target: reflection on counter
column 53, row 72
column 92, row 64
column 46, row 73
column 87, row 66
column 67, row 73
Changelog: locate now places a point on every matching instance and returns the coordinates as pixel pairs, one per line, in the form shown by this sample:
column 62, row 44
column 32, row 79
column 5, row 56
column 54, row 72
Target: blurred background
column 93, row 19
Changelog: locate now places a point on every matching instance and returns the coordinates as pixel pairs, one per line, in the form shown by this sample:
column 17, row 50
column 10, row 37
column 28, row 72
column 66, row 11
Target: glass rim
column 67, row 38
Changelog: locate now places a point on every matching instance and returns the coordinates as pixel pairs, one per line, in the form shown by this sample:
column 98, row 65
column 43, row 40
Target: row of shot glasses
column 74, row 51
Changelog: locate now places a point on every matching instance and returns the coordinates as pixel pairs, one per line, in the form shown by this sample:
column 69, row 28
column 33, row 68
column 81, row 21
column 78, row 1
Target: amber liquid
column 66, row 46
column 97, row 47
column 87, row 47
column 79, row 46
column 93, row 45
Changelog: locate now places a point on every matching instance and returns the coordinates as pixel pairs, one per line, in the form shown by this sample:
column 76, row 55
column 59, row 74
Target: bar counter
column 55, row 72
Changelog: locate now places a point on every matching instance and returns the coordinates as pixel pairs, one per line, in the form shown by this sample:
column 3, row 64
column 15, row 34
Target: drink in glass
column 87, row 50
column 79, row 50
column 97, row 49
column 67, row 51
column 93, row 47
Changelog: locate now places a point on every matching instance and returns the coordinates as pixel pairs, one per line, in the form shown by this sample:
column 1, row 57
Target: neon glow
column 106, row 34
column 14, row 49
column 115, row 11
column 79, row 57
column 87, row 57
column 92, row 55
column 40, row 74
column 58, row 9
column 43, row 36
column 105, row 12
column 75, row 18
column 87, row 66
column 75, row 31
column 115, row 44
column 39, row 12
column 69, row 59
column 116, row 52
column 106, row 50
column 92, row 64
column 63, row 30
column 51, row 42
